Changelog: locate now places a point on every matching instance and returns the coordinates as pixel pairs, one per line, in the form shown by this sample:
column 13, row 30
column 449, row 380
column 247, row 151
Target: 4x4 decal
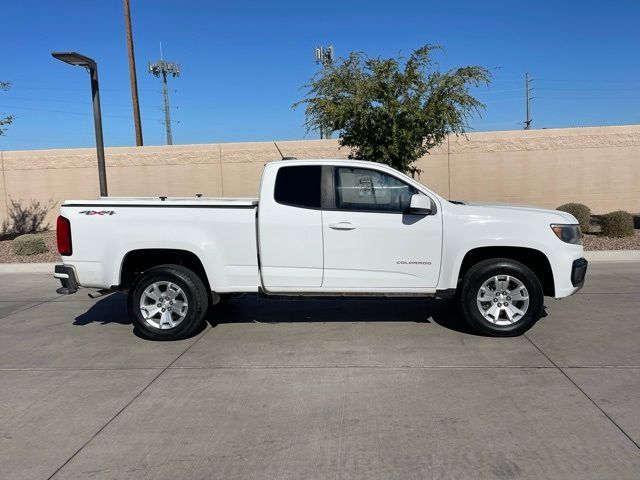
column 97, row 212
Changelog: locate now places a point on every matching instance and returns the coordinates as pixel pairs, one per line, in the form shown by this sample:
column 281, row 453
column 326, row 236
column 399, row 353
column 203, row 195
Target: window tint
column 298, row 186
column 371, row 190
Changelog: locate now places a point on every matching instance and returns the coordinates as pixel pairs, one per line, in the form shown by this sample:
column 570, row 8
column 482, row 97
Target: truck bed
column 221, row 232
column 222, row 202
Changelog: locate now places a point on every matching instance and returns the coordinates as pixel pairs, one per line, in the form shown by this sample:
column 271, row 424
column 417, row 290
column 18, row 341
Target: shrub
column 617, row 224
column 580, row 211
column 26, row 218
column 28, row 244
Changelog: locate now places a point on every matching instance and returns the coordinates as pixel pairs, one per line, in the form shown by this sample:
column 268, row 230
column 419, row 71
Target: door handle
column 342, row 226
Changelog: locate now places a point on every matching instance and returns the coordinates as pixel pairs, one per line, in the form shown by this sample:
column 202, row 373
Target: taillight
column 63, row 235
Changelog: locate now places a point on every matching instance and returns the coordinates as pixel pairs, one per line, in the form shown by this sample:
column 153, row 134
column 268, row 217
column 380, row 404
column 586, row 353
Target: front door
column 371, row 242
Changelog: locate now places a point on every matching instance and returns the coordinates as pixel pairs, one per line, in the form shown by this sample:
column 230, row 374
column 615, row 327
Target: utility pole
column 161, row 69
column 132, row 75
column 528, row 98
column 324, row 58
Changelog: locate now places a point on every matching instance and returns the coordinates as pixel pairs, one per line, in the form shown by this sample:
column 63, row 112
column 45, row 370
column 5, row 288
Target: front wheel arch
column 533, row 259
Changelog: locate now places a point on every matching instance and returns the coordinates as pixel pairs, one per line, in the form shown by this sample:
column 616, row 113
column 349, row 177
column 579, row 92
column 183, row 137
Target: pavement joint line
column 319, row 367
column 600, row 366
column 399, row 367
column 607, row 293
column 136, row 396
column 584, row 393
column 30, row 300
column 28, row 307
column 377, row 367
column 77, row 369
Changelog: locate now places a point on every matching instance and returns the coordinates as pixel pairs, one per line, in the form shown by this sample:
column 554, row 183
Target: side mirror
column 421, row 205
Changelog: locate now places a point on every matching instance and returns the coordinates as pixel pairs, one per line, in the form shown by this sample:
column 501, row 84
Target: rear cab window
column 299, row 186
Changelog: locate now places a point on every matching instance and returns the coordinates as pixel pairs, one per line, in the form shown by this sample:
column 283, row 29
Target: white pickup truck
column 320, row 228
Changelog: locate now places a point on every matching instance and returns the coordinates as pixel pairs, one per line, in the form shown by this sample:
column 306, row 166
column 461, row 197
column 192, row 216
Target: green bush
column 617, row 224
column 580, row 211
column 29, row 244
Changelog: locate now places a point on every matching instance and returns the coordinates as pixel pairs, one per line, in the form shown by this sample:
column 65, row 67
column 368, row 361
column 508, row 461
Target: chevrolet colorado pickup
column 320, row 228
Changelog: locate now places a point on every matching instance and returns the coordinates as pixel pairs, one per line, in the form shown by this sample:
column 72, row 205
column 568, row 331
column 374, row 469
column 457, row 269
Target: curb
column 612, row 256
column 601, row 256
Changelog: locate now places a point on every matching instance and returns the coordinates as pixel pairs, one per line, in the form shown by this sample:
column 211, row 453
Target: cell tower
column 324, row 58
column 162, row 69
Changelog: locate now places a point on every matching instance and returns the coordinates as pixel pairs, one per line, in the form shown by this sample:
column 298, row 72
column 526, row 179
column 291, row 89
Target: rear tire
column 501, row 297
column 168, row 302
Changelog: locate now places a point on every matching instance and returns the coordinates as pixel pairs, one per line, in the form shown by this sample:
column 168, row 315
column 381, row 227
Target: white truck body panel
column 246, row 246
column 220, row 233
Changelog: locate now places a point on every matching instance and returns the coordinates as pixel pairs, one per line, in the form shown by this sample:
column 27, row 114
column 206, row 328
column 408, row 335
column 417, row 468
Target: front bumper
column 67, row 277
column 578, row 272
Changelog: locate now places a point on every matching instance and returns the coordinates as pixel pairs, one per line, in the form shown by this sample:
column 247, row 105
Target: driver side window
column 362, row 189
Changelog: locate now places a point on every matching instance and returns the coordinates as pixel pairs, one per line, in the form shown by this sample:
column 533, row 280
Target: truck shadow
column 109, row 309
column 254, row 309
column 248, row 308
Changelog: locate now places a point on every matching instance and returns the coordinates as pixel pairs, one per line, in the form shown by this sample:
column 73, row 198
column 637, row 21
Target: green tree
column 6, row 119
column 392, row 110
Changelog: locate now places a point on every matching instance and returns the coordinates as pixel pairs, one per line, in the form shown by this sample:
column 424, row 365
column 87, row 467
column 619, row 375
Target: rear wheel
column 168, row 302
column 501, row 297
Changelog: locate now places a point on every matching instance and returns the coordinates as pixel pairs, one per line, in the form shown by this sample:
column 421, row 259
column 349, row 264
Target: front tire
column 501, row 297
column 168, row 302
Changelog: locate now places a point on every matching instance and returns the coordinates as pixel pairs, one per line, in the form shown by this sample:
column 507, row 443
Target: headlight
column 568, row 233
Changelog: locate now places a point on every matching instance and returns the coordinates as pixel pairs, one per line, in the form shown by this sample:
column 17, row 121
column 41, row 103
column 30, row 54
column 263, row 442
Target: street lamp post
column 74, row 58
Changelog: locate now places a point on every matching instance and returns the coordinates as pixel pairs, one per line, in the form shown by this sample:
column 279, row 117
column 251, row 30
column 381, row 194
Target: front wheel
column 168, row 302
column 501, row 297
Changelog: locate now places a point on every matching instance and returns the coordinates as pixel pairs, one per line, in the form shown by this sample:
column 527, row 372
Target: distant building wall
column 597, row 166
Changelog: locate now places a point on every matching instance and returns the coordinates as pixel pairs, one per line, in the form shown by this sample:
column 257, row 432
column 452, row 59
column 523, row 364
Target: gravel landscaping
column 595, row 241
column 6, row 255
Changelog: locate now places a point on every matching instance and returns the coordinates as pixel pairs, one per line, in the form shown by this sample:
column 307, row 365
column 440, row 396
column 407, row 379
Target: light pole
column 74, row 58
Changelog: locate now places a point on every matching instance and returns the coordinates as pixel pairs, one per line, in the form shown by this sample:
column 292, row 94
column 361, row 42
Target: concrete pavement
column 297, row 389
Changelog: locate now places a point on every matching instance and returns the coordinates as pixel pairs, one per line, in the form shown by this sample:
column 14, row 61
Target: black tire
column 194, row 290
column 485, row 270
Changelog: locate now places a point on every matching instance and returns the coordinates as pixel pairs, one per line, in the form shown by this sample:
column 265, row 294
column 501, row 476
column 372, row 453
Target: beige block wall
column 598, row 166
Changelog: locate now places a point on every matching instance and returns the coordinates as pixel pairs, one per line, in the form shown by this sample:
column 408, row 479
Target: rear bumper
column 68, row 279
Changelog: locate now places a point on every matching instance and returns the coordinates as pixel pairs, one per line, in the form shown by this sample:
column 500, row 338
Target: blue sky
column 243, row 63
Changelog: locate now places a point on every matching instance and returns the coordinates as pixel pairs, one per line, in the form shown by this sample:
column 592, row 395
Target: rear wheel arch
column 533, row 259
column 136, row 262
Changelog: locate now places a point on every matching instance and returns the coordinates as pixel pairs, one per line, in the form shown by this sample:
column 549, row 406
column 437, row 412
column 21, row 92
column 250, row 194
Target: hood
column 563, row 217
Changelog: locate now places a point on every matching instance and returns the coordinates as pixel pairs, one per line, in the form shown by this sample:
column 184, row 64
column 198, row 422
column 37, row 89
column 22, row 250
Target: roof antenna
column 280, row 152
